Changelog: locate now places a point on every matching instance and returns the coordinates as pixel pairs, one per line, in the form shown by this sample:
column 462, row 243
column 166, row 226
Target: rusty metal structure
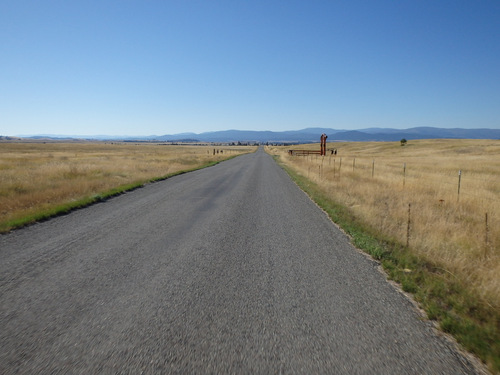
column 321, row 152
column 323, row 144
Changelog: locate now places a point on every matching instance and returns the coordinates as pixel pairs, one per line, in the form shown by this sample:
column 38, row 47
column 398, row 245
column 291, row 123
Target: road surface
column 230, row 269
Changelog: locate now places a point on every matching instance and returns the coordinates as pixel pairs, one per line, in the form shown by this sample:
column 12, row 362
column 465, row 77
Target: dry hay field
column 412, row 195
column 37, row 179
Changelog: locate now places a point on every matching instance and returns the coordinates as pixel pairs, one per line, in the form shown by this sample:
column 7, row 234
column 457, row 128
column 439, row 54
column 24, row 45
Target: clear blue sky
column 161, row 67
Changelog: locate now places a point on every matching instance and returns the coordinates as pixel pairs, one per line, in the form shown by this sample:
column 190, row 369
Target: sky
column 151, row 67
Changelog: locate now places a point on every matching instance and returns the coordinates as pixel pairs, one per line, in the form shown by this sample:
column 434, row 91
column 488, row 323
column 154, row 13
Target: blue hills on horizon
column 313, row 135
column 307, row 135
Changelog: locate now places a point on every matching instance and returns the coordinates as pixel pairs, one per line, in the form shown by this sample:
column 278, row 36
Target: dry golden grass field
column 38, row 177
column 456, row 229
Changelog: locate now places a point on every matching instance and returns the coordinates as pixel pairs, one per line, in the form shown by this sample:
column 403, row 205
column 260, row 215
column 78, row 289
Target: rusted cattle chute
column 321, row 152
column 323, row 144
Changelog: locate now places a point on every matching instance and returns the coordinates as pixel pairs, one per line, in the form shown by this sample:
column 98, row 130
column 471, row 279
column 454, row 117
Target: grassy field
column 39, row 180
column 430, row 212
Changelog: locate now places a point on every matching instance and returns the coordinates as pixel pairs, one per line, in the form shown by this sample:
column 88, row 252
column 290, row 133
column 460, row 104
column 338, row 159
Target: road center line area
column 229, row 269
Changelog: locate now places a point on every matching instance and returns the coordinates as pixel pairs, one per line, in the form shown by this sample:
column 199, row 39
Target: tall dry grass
column 458, row 230
column 37, row 176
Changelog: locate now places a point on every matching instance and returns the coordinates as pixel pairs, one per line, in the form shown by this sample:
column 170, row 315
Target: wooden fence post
column 459, row 180
column 404, row 174
column 408, row 226
column 486, row 230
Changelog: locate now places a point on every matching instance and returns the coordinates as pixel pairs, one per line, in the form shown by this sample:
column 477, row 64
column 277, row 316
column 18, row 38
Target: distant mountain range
column 309, row 135
column 313, row 135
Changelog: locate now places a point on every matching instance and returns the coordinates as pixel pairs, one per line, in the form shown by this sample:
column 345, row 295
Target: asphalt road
column 230, row 269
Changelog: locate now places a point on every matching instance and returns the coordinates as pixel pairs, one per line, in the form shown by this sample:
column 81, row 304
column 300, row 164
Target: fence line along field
column 453, row 187
column 38, row 177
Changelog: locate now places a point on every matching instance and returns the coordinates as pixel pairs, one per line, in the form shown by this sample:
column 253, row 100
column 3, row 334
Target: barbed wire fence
column 463, row 184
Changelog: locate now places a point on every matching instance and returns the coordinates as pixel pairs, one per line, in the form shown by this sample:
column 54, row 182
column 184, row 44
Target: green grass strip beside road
column 457, row 309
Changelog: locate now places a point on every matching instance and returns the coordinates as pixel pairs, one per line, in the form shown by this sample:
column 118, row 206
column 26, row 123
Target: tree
column 403, row 142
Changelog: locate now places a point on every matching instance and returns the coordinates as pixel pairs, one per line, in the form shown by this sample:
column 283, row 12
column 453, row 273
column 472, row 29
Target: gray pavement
column 230, row 269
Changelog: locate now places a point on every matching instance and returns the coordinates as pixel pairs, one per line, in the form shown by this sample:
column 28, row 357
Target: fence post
column 353, row 163
column 404, row 174
column 486, row 240
column 459, row 180
column 373, row 167
column 408, row 226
